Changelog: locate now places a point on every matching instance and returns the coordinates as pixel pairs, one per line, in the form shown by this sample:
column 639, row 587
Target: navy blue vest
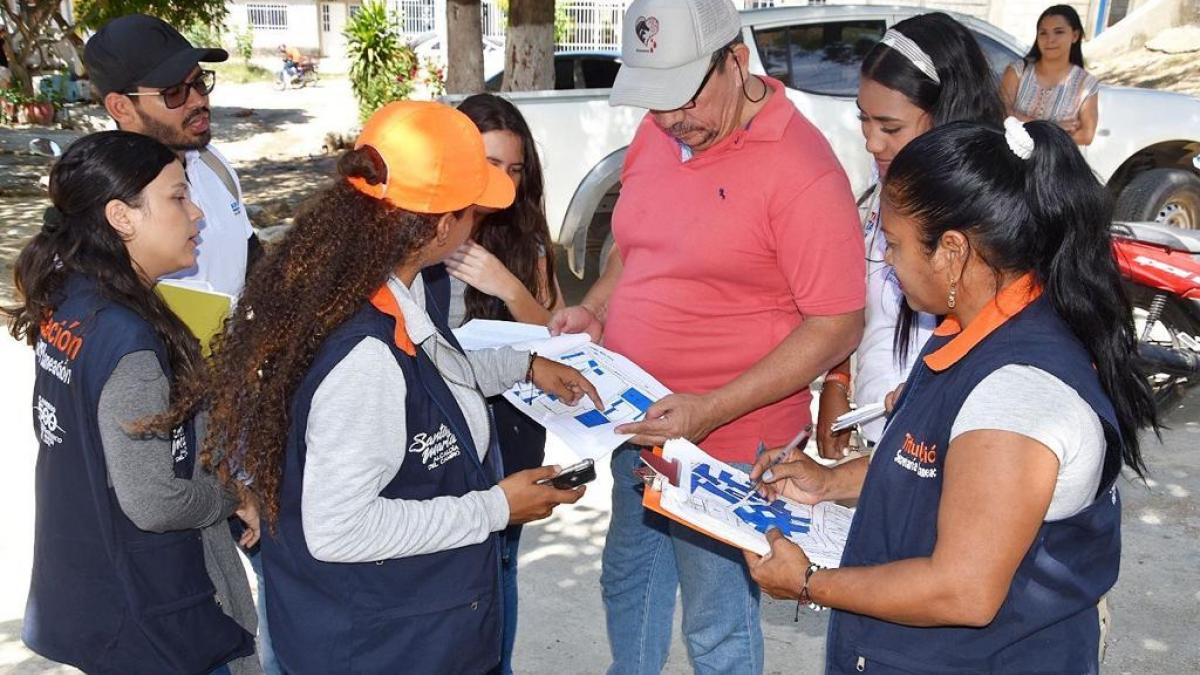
column 1048, row 622
column 105, row 596
column 433, row 613
column 522, row 441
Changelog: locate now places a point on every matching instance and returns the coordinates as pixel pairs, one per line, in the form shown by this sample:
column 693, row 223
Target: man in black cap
column 151, row 82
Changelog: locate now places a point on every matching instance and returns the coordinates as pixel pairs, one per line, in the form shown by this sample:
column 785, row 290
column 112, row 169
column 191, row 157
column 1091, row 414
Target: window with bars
column 267, row 17
column 326, row 20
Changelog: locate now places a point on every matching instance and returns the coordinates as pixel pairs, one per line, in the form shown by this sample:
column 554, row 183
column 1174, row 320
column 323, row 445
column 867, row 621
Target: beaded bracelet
column 529, row 370
column 805, row 598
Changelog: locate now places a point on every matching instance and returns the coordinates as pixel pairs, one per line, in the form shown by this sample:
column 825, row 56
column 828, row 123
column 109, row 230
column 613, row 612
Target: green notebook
column 203, row 312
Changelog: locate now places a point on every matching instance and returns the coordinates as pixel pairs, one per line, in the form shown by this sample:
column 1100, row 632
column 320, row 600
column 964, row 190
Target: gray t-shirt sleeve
column 1031, row 402
column 142, row 470
column 356, row 434
column 498, row 369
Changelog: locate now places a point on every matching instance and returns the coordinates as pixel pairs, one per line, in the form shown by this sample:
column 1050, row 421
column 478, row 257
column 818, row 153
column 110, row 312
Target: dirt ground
column 274, row 140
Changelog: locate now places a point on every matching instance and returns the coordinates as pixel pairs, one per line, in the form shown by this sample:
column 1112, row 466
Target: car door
column 818, row 58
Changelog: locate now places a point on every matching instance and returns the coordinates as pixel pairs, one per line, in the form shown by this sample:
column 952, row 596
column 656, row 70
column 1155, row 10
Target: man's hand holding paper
column 690, row 416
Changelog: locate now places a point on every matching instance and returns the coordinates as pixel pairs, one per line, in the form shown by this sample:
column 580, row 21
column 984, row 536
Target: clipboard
column 658, row 468
column 686, row 485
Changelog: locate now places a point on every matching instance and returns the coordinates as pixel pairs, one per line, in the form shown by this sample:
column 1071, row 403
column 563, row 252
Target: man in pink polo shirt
column 737, row 278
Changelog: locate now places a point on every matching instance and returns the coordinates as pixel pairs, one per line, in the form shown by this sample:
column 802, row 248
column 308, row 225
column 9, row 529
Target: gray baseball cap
column 666, row 48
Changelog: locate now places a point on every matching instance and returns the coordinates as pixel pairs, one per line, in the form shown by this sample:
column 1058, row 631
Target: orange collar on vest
column 384, row 301
column 1007, row 303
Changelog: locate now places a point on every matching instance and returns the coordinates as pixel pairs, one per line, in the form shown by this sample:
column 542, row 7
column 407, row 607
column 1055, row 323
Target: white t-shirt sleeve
column 355, row 435
column 1029, row 401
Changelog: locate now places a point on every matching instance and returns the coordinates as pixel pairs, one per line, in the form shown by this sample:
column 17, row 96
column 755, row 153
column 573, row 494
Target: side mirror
column 45, row 147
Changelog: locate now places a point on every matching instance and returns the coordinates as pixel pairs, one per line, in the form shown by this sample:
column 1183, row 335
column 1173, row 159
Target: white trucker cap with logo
column 666, row 48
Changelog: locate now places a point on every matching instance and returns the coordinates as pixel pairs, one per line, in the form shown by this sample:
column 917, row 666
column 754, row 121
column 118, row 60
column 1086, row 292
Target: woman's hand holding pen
column 798, row 477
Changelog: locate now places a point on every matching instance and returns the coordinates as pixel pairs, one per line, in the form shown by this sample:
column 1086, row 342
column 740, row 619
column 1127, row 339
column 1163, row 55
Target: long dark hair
column 342, row 249
column 78, row 239
column 1067, row 12
column 968, row 92
column 518, row 235
column 968, row 89
column 1047, row 215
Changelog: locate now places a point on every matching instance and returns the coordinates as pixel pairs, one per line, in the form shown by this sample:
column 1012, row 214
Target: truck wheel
column 1166, row 196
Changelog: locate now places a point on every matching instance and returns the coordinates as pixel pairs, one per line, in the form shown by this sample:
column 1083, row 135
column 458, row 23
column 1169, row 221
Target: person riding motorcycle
column 293, row 61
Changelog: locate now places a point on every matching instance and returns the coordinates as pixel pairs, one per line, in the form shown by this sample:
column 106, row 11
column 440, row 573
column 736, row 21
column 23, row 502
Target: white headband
column 911, row 51
column 1018, row 138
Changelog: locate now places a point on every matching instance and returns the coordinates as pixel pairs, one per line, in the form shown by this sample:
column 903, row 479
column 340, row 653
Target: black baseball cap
column 139, row 50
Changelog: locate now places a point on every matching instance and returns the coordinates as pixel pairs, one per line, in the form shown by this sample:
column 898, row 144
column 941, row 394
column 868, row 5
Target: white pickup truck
column 1145, row 149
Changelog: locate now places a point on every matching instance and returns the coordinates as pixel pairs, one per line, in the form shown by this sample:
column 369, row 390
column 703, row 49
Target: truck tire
column 1166, row 196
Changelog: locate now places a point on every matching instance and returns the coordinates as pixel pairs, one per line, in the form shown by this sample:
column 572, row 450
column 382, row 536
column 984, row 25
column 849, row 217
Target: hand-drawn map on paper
column 708, row 488
column 626, row 390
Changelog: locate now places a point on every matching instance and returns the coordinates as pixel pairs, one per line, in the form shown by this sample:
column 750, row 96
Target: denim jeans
column 266, row 653
column 508, row 586
column 646, row 557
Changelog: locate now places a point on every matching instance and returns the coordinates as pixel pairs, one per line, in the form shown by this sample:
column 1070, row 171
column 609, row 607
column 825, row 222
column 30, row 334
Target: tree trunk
column 464, row 48
column 27, row 24
column 529, row 46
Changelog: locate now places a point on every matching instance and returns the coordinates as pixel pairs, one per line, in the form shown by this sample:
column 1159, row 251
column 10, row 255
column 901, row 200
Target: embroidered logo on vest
column 179, row 448
column 917, row 457
column 48, row 429
column 436, row 449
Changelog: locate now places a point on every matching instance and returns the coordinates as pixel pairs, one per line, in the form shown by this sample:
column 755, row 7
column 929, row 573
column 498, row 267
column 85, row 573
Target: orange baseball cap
column 434, row 158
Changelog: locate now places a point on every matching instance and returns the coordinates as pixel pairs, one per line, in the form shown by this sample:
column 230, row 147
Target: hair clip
column 1018, row 138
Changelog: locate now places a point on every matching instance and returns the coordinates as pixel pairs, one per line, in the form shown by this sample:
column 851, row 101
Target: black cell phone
column 572, row 476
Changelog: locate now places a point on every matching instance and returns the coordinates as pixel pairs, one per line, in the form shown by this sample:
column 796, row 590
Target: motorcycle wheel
column 1176, row 330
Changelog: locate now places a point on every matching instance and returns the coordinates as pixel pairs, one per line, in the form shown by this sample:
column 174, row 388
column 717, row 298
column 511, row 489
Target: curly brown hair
column 341, row 250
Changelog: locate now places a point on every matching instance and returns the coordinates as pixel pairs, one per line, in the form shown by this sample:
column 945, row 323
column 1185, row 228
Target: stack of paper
column 707, row 490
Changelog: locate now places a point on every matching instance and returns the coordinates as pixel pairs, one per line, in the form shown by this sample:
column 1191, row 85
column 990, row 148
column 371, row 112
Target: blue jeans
column 266, row 653
column 646, row 556
column 508, row 586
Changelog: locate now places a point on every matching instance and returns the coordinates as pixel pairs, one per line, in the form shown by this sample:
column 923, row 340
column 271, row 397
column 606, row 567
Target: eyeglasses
column 717, row 59
column 176, row 95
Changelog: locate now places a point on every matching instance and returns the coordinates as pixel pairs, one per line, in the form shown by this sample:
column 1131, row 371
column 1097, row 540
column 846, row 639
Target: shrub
column 382, row 67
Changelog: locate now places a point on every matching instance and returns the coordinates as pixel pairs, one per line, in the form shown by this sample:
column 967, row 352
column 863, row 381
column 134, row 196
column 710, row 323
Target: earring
column 951, row 301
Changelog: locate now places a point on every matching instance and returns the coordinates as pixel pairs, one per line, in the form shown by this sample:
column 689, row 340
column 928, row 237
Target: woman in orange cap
column 364, row 425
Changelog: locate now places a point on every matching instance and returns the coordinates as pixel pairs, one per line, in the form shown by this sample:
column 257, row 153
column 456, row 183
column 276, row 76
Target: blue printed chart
column 626, row 390
column 709, row 490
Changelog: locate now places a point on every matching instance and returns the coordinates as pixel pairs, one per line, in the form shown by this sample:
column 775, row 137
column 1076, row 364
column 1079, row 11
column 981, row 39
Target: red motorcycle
column 1161, row 267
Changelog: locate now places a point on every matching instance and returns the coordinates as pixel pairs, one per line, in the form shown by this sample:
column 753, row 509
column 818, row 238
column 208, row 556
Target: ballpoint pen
column 799, row 441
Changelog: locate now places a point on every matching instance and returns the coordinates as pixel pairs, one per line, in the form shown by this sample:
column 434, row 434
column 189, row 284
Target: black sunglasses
column 176, row 95
column 717, row 59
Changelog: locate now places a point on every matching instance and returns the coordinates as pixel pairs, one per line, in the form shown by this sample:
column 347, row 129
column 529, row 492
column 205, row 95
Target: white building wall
column 302, row 19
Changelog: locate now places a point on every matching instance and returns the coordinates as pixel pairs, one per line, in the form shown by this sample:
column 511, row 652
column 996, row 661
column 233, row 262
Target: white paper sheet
column 625, row 389
column 708, row 487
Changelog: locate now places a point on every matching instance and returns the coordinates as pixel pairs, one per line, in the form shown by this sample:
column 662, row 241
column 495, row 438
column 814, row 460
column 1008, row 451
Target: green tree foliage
column 95, row 13
column 382, row 67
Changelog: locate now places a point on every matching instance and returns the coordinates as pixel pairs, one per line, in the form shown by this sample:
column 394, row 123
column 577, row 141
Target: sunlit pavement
column 1156, row 604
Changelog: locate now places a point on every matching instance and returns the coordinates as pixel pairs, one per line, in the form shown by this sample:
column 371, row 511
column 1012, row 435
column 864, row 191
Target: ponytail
column 1035, row 206
column 1071, row 212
